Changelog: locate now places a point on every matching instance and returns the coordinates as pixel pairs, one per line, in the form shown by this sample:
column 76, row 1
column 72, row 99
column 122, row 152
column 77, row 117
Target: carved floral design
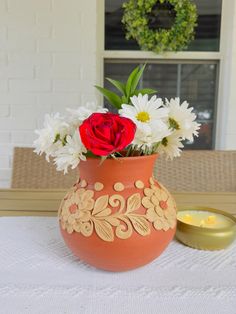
column 98, row 186
column 76, row 211
column 161, row 209
column 118, row 187
column 113, row 215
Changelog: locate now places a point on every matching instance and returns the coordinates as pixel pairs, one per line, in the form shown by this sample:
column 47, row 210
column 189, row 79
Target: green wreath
column 138, row 20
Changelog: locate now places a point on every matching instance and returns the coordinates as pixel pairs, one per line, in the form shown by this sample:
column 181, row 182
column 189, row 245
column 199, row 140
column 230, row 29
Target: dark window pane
column 195, row 83
column 198, row 86
column 207, row 37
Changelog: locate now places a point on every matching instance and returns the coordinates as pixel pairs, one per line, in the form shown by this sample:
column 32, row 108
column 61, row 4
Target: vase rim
column 131, row 158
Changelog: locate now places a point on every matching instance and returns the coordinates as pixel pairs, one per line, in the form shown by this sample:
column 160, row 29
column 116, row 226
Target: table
column 38, row 274
column 38, row 202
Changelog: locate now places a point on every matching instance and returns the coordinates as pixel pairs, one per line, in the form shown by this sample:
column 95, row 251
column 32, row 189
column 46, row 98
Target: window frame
column 219, row 56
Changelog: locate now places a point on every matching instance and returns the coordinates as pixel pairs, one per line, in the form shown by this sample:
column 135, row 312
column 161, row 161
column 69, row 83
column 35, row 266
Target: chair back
column 198, row 171
column 194, row 171
column 31, row 171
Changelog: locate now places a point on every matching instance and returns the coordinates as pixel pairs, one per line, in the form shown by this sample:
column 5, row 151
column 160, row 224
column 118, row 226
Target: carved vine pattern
column 79, row 212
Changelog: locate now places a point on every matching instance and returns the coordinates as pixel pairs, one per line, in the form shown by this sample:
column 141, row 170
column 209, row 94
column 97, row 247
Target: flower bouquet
column 117, row 216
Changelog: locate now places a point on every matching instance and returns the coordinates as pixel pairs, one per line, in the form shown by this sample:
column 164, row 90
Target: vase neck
column 120, row 170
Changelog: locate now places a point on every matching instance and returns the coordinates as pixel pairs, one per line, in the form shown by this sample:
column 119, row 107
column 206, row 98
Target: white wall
column 47, row 63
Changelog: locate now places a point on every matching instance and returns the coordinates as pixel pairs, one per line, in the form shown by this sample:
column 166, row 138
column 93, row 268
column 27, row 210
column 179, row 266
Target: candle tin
column 206, row 238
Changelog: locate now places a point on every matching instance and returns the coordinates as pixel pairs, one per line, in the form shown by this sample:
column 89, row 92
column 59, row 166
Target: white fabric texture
column 38, row 274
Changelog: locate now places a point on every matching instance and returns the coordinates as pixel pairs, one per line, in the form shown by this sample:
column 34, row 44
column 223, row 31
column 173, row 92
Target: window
column 191, row 75
column 207, row 37
column 192, row 81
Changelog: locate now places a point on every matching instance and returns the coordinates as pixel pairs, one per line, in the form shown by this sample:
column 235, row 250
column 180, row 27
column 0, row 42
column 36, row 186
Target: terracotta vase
column 117, row 216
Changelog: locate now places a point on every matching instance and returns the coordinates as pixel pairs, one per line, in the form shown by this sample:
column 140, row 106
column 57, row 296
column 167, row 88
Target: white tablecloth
column 38, row 274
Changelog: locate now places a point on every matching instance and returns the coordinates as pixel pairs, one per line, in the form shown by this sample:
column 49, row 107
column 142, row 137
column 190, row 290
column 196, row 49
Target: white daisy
column 171, row 145
column 182, row 119
column 83, row 112
column 144, row 110
column 149, row 117
column 150, row 134
column 52, row 136
column 71, row 153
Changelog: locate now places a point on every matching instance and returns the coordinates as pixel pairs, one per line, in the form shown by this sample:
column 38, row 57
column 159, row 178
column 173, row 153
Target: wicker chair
column 195, row 171
column 199, row 171
column 31, row 171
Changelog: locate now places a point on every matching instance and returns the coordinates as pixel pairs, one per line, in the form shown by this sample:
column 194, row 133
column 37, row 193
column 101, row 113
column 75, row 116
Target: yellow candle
column 205, row 219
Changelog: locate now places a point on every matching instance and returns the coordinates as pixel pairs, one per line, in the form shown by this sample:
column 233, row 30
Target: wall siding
column 47, row 63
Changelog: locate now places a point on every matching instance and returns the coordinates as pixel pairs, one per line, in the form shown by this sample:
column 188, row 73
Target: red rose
column 106, row 133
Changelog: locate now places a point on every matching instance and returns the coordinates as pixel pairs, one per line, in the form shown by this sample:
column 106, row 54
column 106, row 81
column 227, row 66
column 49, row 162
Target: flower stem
column 128, row 151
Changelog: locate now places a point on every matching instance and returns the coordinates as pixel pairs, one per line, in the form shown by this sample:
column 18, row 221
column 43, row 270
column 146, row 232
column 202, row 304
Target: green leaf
column 130, row 80
column 137, row 78
column 124, row 100
column 114, row 99
column 144, row 91
column 90, row 154
column 120, row 86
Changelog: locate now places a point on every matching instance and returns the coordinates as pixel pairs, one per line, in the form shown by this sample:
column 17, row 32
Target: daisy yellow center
column 174, row 124
column 164, row 141
column 57, row 138
column 143, row 116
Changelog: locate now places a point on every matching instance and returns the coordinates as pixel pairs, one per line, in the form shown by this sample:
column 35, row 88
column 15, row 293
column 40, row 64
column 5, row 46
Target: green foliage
column 176, row 38
column 114, row 99
column 144, row 91
column 130, row 82
column 127, row 90
column 120, row 86
column 136, row 79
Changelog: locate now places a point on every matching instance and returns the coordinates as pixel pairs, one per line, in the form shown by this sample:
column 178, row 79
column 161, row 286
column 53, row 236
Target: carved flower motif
column 161, row 209
column 76, row 212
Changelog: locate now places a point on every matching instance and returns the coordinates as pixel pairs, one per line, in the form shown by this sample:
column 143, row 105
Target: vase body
column 117, row 216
